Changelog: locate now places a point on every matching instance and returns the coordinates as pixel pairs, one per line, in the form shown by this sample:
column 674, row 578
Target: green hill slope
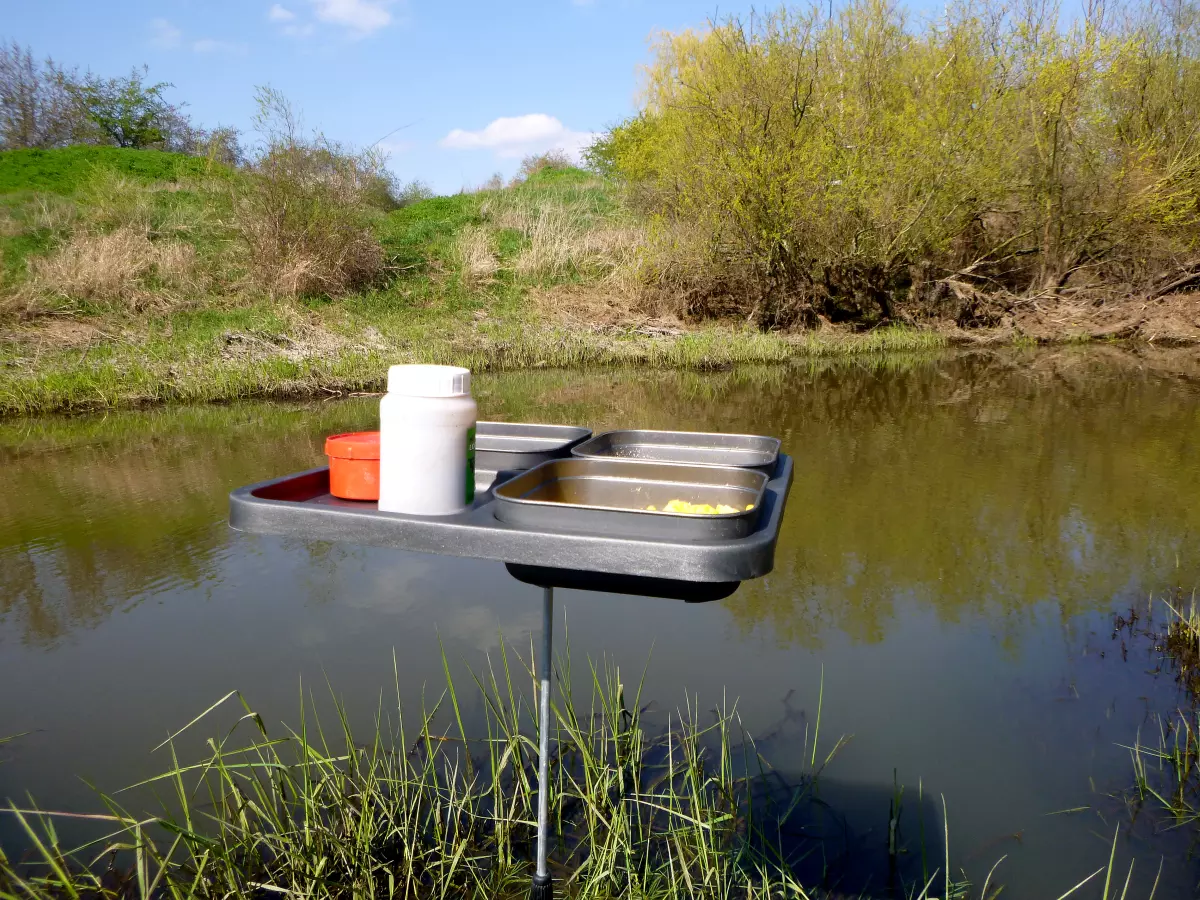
column 63, row 171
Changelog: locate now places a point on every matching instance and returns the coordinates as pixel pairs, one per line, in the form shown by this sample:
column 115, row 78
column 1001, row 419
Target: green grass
column 64, row 171
column 420, row 809
column 215, row 355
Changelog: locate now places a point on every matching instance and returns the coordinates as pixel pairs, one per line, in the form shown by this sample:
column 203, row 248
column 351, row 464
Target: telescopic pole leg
column 543, row 887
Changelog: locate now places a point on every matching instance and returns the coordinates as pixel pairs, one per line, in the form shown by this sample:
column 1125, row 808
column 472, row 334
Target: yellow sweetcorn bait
column 682, row 506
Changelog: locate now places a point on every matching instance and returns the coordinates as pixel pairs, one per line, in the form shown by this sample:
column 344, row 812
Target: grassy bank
column 799, row 181
column 133, row 277
column 532, row 275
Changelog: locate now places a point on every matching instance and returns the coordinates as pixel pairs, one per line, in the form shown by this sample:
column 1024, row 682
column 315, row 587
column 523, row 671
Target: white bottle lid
column 429, row 381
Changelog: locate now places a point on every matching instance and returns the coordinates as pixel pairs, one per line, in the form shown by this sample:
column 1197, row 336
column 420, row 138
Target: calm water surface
column 960, row 533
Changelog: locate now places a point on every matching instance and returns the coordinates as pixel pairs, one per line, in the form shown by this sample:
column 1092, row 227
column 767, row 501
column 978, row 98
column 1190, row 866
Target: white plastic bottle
column 427, row 441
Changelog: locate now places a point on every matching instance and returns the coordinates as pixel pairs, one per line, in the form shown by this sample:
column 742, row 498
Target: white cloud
column 208, row 45
column 361, row 17
column 164, row 35
column 299, row 31
column 279, row 13
column 518, row 135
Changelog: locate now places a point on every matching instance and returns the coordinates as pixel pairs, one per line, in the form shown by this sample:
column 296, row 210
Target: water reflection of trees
column 982, row 486
column 99, row 512
column 978, row 482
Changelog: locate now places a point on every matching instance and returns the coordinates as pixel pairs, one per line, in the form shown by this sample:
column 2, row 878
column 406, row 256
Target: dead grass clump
column 123, row 267
column 558, row 247
column 681, row 277
column 476, row 256
column 565, row 237
column 610, row 303
column 296, row 253
column 50, row 212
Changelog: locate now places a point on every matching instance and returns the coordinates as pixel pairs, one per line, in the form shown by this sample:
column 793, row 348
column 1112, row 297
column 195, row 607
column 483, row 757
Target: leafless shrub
column 539, row 162
column 413, row 192
column 304, row 212
column 38, row 107
column 495, row 183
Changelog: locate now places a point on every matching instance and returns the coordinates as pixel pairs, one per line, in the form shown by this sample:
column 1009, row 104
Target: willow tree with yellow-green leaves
column 857, row 163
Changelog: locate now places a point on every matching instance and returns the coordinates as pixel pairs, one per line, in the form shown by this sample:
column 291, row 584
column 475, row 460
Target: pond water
column 961, row 531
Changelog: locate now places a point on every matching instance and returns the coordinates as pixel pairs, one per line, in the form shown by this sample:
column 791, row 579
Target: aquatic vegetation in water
column 1166, row 763
column 422, row 810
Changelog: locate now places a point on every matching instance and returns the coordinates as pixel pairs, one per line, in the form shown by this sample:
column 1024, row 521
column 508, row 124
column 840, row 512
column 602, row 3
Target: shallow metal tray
column 692, row 448
column 300, row 506
column 612, row 496
column 522, row 445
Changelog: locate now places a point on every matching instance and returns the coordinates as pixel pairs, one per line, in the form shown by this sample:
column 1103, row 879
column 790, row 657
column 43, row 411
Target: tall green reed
column 421, row 810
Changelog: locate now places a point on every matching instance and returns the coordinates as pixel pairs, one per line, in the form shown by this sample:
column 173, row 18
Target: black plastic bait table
column 582, row 547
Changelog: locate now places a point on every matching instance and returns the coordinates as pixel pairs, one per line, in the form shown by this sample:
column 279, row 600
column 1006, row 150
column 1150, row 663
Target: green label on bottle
column 470, row 465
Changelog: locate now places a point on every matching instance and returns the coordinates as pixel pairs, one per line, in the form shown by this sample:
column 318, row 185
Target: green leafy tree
column 128, row 111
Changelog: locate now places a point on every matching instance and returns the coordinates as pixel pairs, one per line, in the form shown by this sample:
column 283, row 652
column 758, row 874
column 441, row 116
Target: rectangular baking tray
column 692, row 448
column 300, row 506
column 613, row 496
column 501, row 446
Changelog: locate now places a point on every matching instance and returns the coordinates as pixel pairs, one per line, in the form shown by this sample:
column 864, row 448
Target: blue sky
column 478, row 84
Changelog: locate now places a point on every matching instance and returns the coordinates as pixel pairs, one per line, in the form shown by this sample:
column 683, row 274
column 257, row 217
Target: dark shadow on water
column 851, row 839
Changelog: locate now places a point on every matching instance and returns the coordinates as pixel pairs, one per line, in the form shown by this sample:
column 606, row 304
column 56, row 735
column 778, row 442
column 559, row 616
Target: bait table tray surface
column 300, row 506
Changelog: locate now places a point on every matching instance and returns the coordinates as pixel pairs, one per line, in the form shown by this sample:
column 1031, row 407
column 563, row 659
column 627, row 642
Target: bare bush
column 495, row 183
column 552, row 160
column 303, row 213
column 413, row 192
column 222, row 144
column 38, row 107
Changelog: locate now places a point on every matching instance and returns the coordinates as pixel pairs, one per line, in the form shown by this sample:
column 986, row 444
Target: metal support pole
column 543, row 888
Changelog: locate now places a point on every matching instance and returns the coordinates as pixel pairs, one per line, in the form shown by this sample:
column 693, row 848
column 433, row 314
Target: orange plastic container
column 354, row 465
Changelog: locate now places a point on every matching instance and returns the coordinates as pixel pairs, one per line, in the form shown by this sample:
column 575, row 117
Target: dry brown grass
column 51, row 212
column 123, row 267
column 43, row 212
column 566, row 239
column 610, row 303
column 476, row 256
column 10, row 226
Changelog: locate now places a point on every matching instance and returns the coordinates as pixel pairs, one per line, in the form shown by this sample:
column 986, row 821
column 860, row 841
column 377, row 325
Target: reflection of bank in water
column 852, row 838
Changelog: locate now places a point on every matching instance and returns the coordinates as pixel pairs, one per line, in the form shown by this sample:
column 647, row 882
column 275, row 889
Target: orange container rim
column 353, row 445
